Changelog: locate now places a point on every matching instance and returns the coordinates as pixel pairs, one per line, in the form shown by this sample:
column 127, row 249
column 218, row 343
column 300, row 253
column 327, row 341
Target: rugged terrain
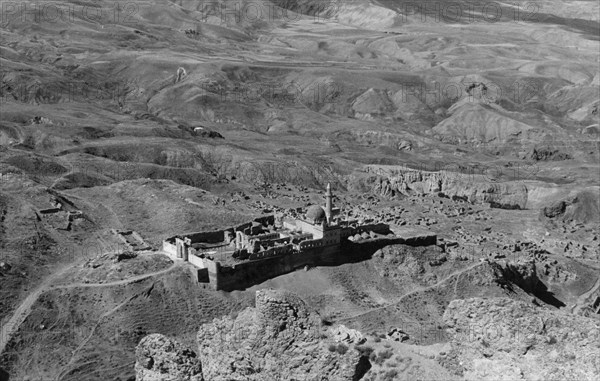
column 280, row 339
column 520, row 341
column 476, row 121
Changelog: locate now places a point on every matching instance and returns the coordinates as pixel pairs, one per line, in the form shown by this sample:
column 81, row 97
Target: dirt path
column 417, row 290
column 21, row 313
column 134, row 279
column 24, row 309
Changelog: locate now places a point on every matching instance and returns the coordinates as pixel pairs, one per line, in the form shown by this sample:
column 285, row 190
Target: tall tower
column 328, row 206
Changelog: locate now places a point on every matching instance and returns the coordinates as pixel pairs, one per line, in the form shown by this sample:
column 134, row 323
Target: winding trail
column 134, row 279
column 18, row 317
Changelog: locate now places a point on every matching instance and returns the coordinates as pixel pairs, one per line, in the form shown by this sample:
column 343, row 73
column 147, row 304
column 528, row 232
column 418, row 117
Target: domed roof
column 315, row 214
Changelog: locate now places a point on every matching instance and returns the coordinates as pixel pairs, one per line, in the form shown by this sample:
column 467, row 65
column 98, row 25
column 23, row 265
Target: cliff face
column 480, row 188
column 279, row 339
column 504, row 339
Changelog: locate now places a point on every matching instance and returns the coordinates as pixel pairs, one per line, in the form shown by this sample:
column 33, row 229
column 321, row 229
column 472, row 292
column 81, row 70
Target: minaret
column 328, row 204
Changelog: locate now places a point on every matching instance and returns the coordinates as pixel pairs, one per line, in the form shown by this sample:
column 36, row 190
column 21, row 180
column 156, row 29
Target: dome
column 315, row 214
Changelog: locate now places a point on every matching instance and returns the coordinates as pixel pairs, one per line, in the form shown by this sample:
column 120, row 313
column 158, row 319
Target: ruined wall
column 246, row 274
column 243, row 227
column 209, row 237
column 345, row 233
column 266, row 220
column 266, row 236
column 310, row 244
column 380, row 228
column 272, row 242
column 170, row 248
column 279, row 250
column 213, row 273
column 196, row 261
column 420, row 240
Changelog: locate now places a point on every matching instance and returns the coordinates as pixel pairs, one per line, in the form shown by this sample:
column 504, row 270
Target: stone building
column 234, row 257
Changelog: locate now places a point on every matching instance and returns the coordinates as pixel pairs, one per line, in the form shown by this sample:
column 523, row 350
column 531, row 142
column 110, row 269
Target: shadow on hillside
column 3, row 375
column 532, row 285
column 547, row 297
column 362, row 367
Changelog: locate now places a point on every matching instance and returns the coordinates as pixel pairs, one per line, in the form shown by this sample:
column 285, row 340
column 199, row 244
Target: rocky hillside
column 160, row 358
column 279, row 339
column 505, row 339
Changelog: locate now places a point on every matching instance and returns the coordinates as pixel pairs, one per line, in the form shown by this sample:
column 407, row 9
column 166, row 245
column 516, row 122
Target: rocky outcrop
column 159, row 358
column 548, row 154
column 523, row 274
column 581, row 207
column 398, row 261
column 347, row 335
column 389, row 181
column 280, row 339
column 555, row 209
column 504, row 339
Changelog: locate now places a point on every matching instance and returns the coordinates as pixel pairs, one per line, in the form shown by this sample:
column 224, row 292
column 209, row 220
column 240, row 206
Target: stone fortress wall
column 284, row 259
column 250, row 253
